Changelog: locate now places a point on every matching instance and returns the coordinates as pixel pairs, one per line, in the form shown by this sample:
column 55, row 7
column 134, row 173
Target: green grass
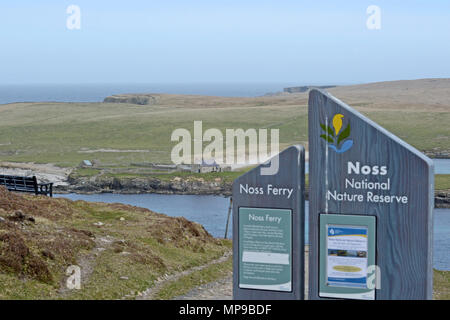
column 105, row 282
column 441, row 286
column 130, row 173
column 60, row 133
column 57, row 132
column 227, row 177
column 442, row 182
column 85, row 172
column 141, row 247
column 13, row 288
column 423, row 130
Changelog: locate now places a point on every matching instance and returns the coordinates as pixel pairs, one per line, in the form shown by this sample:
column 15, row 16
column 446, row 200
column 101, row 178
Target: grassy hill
column 121, row 250
column 118, row 134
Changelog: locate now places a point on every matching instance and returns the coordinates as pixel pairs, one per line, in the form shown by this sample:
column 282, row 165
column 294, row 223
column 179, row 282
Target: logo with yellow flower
column 335, row 137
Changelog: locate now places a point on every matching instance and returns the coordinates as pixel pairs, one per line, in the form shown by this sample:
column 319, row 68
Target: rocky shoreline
column 437, row 154
column 174, row 186
column 143, row 185
column 442, row 199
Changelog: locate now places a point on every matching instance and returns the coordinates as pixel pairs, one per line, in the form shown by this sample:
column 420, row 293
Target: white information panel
column 347, row 256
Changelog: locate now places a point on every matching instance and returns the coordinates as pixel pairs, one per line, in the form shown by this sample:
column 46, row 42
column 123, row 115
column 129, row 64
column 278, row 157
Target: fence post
column 228, row 218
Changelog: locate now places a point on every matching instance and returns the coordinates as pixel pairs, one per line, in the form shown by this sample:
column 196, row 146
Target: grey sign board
column 268, row 230
column 358, row 169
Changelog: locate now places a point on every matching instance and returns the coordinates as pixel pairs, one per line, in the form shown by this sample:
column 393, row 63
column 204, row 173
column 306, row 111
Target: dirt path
column 151, row 292
column 86, row 262
column 218, row 290
column 222, row 289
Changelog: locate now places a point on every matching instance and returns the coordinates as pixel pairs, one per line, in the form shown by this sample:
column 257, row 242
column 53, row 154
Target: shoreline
column 65, row 182
column 182, row 187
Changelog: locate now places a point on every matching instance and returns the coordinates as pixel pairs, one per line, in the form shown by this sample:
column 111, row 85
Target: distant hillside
column 424, row 94
column 135, row 129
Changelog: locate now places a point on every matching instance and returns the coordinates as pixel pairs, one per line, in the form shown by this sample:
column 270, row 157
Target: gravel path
column 218, row 290
column 222, row 289
column 150, row 293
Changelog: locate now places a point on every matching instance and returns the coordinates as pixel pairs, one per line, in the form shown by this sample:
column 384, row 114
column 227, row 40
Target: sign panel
column 346, row 254
column 268, row 229
column 265, row 249
column 359, row 168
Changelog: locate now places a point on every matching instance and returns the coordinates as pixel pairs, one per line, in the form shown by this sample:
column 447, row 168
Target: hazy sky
column 223, row 41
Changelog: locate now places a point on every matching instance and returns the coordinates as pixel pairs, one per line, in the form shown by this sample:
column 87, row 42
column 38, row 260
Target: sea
column 97, row 92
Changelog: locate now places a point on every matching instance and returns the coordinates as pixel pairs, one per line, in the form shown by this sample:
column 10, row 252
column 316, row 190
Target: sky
column 195, row 41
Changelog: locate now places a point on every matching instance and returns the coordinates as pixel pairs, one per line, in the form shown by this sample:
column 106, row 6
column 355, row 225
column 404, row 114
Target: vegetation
column 184, row 284
column 85, row 172
column 120, row 249
column 442, row 182
column 441, row 282
column 119, row 134
column 227, row 177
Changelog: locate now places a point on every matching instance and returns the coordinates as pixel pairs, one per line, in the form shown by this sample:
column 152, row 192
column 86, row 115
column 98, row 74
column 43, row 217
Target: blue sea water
column 97, row 92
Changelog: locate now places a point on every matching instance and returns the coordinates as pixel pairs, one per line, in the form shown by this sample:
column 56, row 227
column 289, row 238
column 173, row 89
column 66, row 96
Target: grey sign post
column 268, row 230
column 370, row 212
